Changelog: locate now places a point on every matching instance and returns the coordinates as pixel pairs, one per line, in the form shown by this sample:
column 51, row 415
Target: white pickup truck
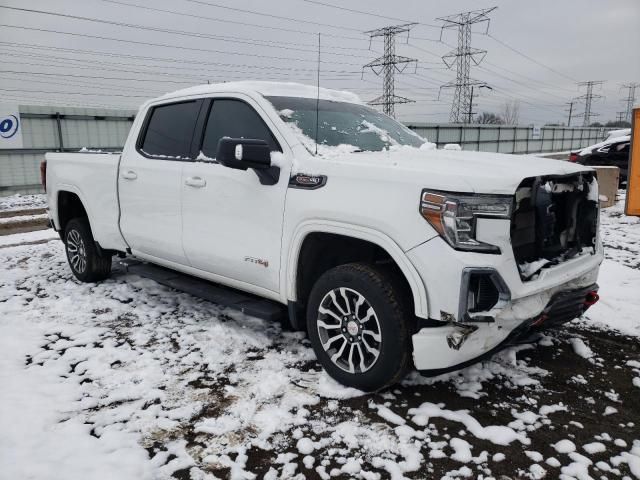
column 390, row 253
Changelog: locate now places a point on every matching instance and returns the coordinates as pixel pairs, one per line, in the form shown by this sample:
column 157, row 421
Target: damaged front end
column 548, row 279
column 554, row 219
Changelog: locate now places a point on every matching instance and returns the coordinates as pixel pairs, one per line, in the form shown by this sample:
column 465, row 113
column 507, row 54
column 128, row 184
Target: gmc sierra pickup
column 390, row 253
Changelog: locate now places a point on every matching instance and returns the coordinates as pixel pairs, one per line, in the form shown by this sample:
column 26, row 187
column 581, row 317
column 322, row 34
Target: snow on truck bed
column 127, row 379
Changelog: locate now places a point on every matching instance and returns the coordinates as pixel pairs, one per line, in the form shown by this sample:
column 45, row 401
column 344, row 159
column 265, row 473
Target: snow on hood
column 275, row 89
column 463, row 171
column 608, row 141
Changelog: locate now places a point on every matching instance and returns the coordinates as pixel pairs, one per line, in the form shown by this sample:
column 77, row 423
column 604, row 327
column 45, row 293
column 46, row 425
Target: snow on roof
column 275, row 89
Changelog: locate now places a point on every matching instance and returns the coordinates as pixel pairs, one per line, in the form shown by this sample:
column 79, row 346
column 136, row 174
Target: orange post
column 632, row 206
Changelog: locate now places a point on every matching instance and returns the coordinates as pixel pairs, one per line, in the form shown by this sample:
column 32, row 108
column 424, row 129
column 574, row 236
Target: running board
column 224, row 296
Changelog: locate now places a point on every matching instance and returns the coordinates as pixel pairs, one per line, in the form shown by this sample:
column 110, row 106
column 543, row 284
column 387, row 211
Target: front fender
column 291, row 253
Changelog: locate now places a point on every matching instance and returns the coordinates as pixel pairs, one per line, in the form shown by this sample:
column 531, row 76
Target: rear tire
column 82, row 252
column 359, row 325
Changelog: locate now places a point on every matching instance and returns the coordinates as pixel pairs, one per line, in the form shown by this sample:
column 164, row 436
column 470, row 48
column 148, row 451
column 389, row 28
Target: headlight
column 454, row 215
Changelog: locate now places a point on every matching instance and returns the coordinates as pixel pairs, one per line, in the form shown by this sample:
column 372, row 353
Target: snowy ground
column 19, row 202
column 130, row 380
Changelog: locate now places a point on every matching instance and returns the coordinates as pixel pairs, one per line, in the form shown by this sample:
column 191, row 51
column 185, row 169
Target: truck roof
column 275, row 89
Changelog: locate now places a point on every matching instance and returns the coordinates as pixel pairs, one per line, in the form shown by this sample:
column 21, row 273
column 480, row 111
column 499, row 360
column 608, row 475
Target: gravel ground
column 128, row 379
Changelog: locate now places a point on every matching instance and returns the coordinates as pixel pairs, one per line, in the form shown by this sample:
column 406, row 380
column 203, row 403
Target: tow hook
column 456, row 338
column 591, row 299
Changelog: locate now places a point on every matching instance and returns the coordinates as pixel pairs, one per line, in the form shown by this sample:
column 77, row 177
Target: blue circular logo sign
column 9, row 126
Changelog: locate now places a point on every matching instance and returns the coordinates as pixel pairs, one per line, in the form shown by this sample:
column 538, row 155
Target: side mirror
column 242, row 153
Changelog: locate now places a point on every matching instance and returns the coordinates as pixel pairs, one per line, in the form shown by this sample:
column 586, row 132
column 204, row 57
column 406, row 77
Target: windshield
column 342, row 123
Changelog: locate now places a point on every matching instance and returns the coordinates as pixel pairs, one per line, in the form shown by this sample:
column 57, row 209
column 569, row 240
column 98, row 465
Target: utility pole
column 471, row 112
column 571, row 104
column 620, row 116
column 588, row 98
column 630, row 100
column 462, row 57
column 388, row 65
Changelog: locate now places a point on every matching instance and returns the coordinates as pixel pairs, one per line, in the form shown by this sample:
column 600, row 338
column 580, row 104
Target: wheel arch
column 69, row 205
column 376, row 239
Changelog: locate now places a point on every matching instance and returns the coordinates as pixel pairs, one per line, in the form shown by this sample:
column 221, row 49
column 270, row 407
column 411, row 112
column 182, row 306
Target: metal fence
column 47, row 129
column 52, row 129
column 510, row 139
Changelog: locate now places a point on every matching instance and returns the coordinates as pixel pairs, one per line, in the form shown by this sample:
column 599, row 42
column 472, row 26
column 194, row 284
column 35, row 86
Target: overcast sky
column 567, row 41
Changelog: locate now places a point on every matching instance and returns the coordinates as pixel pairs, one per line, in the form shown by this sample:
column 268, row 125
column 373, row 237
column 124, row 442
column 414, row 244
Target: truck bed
column 93, row 177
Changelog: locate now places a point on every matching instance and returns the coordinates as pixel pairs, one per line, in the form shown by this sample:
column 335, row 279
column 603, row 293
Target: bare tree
column 489, row 118
column 511, row 112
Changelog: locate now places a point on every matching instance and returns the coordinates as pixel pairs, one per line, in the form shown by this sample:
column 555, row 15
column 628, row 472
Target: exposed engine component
column 555, row 219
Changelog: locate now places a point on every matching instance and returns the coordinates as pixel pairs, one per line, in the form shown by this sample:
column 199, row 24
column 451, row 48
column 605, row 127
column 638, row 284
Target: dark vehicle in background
column 613, row 152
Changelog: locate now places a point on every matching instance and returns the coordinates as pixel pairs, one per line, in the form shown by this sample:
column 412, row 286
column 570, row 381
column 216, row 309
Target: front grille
column 555, row 219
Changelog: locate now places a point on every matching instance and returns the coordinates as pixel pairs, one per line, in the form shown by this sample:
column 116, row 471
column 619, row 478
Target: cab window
column 169, row 130
column 234, row 119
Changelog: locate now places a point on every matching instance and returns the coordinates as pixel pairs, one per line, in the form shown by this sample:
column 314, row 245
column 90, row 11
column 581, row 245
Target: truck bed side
column 93, row 178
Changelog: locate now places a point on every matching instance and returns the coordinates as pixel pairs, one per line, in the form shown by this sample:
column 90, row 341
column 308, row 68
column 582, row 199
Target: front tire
column 359, row 326
column 82, row 253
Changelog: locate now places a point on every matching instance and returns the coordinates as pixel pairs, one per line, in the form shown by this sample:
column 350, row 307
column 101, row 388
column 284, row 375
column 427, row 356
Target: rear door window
column 234, row 119
column 170, row 130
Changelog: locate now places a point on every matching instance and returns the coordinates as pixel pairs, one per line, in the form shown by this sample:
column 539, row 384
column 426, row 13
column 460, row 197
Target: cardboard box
column 608, row 180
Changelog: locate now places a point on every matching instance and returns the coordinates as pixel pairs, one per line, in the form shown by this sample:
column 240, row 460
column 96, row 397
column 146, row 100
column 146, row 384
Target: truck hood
column 476, row 172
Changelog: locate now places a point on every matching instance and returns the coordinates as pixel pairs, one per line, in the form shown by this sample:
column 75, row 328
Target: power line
column 68, row 83
column 31, row 100
column 160, row 59
column 371, row 14
column 388, row 65
column 270, row 15
column 165, row 45
column 207, row 75
column 189, row 79
column 504, row 44
column 462, row 57
column 235, row 22
column 70, row 93
column 222, row 38
column 517, row 82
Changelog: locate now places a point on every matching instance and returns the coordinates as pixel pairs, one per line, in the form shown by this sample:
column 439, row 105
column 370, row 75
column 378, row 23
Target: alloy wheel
column 349, row 330
column 76, row 251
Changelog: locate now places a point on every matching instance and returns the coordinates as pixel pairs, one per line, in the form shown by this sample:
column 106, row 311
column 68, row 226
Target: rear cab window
column 168, row 131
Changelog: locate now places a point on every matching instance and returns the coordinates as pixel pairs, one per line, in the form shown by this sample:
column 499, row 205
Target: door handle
column 196, row 182
column 129, row 175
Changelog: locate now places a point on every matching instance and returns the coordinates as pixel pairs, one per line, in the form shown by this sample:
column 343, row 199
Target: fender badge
column 308, row 182
column 257, row 261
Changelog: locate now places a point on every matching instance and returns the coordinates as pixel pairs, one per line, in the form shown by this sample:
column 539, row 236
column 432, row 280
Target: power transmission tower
column 388, row 65
column 462, row 57
column 620, row 116
column 630, row 100
column 588, row 98
column 571, row 104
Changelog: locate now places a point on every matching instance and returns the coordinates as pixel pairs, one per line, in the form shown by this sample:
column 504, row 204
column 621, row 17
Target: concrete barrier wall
column 510, row 139
column 56, row 129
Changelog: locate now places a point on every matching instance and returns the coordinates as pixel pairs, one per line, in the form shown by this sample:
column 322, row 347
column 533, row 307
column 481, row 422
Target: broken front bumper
column 465, row 344
column 462, row 340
